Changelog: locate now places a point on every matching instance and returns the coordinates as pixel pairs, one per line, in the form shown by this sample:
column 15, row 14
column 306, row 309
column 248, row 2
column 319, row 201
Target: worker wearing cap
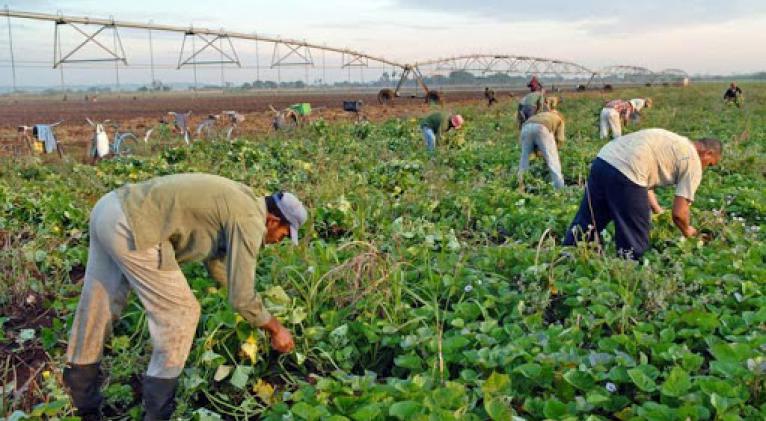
column 640, row 103
column 139, row 234
column 436, row 124
column 614, row 115
column 543, row 132
column 534, row 85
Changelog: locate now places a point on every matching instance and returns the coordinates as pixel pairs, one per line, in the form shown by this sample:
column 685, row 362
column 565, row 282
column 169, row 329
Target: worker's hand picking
column 281, row 339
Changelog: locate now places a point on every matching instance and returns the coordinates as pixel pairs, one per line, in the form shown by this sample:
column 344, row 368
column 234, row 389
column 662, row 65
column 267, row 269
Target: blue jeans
column 429, row 137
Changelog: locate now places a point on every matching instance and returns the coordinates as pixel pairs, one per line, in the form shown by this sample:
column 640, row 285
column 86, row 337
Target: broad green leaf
column 366, row 413
column 579, row 379
column 529, row 370
column 240, row 376
column 204, row 414
column 731, row 353
column 554, row 408
column 652, row 411
column 454, row 343
column 307, row 412
column 277, row 295
column 677, row 383
column 496, row 383
column 641, row 380
column 702, row 319
column 711, row 385
column 413, row 362
column 449, row 397
column 405, row 410
column 730, row 370
column 720, row 403
column 49, row 408
column 211, row 358
column 498, row 409
column 597, row 398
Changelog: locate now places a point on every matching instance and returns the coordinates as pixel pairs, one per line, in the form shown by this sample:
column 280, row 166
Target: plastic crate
column 302, row 109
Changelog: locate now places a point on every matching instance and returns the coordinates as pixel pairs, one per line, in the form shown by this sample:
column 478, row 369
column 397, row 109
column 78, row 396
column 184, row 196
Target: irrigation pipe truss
column 298, row 53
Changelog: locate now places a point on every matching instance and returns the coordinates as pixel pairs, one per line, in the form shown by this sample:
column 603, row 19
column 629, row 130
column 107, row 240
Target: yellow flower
column 264, row 390
column 249, row 349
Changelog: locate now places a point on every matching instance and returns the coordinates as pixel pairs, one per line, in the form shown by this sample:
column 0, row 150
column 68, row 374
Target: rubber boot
column 84, row 383
column 159, row 398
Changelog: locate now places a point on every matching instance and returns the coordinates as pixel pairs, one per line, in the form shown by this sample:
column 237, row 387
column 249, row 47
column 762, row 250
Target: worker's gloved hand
column 281, row 339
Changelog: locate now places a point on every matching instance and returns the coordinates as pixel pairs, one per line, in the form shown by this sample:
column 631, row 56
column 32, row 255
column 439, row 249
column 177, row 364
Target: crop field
column 139, row 113
column 424, row 288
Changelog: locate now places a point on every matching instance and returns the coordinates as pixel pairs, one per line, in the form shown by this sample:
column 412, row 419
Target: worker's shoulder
column 201, row 185
column 656, row 136
column 187, row 178
column 547, row 116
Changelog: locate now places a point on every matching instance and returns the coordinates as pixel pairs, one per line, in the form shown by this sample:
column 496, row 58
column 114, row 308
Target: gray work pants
column 537, row 137
column 609, row 120
column 114, row 269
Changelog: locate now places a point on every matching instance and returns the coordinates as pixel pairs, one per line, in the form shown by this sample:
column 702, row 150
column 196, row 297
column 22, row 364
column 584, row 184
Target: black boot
column 159, row 398
column 84, row 385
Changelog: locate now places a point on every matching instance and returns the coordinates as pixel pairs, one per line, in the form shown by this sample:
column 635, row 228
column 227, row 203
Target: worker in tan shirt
column 139, row 234
column 544, row 133
column 621, row 186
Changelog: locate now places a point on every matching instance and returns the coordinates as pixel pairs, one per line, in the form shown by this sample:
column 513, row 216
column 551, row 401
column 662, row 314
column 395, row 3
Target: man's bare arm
column 682, row 217
column 655, row 205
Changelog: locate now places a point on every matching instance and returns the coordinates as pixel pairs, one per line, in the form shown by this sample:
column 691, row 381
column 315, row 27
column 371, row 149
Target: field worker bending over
column 543, row 132
column 614, row 114
column 640, row 103
column 733, row 94
column 621, row 184
column 139, row 234
column 436, row 124
column 529, row 105
column 489, row 95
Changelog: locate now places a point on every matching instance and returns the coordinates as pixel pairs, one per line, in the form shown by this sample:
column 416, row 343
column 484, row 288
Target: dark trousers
column 524, row 113
column 610, row 196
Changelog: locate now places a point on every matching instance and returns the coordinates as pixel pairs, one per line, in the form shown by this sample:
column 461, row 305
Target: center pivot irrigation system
column 291, row 52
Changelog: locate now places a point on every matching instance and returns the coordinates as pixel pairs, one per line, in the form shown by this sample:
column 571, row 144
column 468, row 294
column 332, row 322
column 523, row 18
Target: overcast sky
column 699, row 36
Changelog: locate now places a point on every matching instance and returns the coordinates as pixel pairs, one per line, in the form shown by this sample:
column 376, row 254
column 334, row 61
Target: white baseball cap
column 293, row 210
